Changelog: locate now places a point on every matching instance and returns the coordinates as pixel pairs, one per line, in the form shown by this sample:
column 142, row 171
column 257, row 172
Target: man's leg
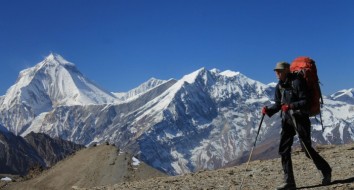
column 304, row 131
column 286, row 141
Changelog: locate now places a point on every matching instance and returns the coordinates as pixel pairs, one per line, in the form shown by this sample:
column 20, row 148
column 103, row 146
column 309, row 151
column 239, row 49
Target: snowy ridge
column 344, row 95
column 229, row 73
column 146, row 86
column 161, row 102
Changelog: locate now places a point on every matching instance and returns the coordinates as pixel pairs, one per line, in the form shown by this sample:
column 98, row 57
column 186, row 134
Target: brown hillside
column 90, row 167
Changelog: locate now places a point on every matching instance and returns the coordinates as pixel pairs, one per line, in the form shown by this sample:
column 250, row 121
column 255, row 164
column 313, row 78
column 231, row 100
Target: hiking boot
column 286, row 186
column 327, row 177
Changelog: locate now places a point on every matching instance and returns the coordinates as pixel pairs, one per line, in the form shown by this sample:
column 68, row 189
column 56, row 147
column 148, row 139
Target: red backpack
column 306, row 67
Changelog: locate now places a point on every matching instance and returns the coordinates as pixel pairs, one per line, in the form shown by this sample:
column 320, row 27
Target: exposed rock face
column 51, row 150
column 18, row 155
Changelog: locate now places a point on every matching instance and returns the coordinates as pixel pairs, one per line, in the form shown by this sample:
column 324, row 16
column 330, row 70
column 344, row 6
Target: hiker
column 292, row 99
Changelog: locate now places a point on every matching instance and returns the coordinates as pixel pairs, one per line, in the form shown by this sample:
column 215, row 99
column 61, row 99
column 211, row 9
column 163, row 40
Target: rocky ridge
column 18, row 155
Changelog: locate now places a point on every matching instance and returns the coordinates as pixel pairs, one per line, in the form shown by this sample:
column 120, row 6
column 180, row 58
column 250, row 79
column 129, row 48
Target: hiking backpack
column 306, row 68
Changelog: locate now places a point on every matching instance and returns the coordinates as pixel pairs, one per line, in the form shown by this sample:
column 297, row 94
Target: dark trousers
column 286, row 141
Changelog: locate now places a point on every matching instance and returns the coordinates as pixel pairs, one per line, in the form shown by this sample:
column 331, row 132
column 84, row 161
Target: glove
column 264, row 110
column 286, row 107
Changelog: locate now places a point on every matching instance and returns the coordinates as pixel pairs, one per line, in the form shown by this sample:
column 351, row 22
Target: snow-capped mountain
column 51, row 83
column 54, row 82
column 338, row 120
column 204, row 120
column 200, row 122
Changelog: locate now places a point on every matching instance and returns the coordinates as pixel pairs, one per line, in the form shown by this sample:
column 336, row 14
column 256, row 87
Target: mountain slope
column 90, row 167
column 49, row 149
column 18, row 155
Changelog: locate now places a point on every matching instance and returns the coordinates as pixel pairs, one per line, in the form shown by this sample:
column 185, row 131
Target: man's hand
column 286, row 107
column 264, row 110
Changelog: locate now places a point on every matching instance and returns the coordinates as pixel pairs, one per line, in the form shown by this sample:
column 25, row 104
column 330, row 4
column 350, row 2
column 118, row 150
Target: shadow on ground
column 344, row 181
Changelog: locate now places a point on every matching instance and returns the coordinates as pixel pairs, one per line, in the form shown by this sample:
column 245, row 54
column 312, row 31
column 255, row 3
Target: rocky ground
column 90, row 167
column 265, row 174
column 260, row 174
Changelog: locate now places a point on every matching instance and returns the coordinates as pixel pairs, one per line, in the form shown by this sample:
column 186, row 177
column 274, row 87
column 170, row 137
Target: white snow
column 6, row 179
column 272, row 84
column 136, row 162
column 179, row 163
column 252, row 100
column 58, row 59
column 338, row 109
column 346, row 92
column 229, row 73
column 36, row 125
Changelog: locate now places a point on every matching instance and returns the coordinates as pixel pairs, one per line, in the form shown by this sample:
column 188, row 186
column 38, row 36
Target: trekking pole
column 321, row 104
column 254, row 145
column 321, row 121
column 295, row 127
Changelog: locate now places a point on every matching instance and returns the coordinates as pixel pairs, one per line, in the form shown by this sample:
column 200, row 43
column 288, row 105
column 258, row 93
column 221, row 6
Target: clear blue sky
column 121, row 43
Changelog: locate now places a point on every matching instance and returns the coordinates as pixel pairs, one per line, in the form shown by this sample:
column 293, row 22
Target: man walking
column 292, row 99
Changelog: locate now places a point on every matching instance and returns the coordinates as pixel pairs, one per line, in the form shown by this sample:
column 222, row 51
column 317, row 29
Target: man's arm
column 274, row 108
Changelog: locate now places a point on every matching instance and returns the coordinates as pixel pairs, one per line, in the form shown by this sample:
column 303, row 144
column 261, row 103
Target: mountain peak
column 53, row 82
column 190, row 78
column 54, row 58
